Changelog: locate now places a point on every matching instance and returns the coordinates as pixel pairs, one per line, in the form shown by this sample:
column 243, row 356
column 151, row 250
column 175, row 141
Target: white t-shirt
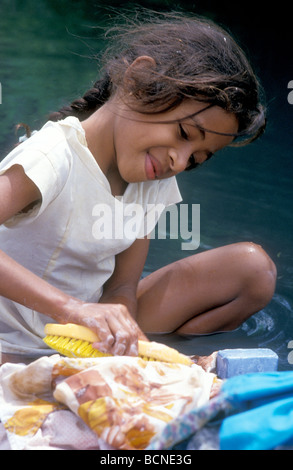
column 71, row 237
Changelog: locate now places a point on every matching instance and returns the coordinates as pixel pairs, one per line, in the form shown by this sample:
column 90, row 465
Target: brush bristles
column 72, row 347
column 75, row 341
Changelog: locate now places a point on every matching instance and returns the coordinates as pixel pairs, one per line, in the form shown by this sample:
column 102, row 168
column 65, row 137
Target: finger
column 134, row 333
column 122, row 336
column 125, row 336
column 142, row 336
column 133, row 324
column 102, row 330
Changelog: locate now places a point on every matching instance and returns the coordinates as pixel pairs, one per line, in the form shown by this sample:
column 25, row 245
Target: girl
column 179, row 90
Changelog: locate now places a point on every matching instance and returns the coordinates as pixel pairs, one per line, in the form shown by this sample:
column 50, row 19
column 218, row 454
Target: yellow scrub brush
column 76, row 341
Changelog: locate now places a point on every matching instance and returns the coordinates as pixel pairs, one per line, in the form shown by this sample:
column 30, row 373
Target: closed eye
column 183, row 134
column 192, row 163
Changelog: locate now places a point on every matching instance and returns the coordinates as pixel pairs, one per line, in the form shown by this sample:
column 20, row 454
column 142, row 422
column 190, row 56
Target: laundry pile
column 103, row 403
column 127, row 403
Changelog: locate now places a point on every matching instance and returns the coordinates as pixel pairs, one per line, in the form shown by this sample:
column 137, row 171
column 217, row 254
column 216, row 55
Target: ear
column 140, row 64
column 143, row 61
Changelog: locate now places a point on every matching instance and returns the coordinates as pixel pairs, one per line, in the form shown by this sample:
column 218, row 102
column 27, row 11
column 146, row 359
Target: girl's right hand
column 117, row 330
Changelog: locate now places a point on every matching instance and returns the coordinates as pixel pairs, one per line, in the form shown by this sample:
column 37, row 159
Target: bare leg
column 207, row 292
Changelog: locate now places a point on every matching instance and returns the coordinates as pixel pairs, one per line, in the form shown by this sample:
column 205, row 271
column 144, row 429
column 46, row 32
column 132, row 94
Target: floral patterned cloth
column 121, row 402
column 183, row 428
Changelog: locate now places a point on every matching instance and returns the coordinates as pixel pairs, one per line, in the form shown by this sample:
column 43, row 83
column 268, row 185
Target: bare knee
column 259, row 274
column 256, row 274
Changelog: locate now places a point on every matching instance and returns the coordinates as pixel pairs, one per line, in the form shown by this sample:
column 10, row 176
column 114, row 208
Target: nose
column 178, row 160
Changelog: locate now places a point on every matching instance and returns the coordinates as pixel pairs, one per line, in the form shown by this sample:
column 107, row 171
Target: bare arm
column 112, row 322
column 122, row 286
column 18, row 192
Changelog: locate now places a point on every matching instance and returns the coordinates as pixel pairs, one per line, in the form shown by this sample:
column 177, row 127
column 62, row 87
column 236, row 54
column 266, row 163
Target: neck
column 99, row 136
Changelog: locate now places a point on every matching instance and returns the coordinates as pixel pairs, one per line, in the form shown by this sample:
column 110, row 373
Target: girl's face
column 148, row 146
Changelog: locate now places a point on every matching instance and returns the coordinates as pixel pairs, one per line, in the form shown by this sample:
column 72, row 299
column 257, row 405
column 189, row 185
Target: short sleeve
column 48, row 171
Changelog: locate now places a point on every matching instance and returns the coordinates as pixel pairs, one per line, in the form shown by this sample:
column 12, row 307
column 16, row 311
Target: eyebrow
column 202, row 129
column 189, row 116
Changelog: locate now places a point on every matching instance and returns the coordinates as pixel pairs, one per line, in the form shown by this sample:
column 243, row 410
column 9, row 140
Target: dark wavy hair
column 194, row 59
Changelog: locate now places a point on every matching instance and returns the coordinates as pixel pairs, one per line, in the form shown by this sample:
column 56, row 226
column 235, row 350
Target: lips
column 152, row 167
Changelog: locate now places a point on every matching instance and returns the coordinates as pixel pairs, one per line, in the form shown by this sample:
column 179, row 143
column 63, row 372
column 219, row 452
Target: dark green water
column 245, row 194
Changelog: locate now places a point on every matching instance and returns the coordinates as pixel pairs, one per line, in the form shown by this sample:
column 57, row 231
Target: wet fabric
column 117, row 402
column 251, row 412
column 182, row 431
column 127, row 403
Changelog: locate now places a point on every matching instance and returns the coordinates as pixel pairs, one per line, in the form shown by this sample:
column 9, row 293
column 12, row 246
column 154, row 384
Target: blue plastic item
column 231, row 362
column 251, row 412
column 265, row 411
